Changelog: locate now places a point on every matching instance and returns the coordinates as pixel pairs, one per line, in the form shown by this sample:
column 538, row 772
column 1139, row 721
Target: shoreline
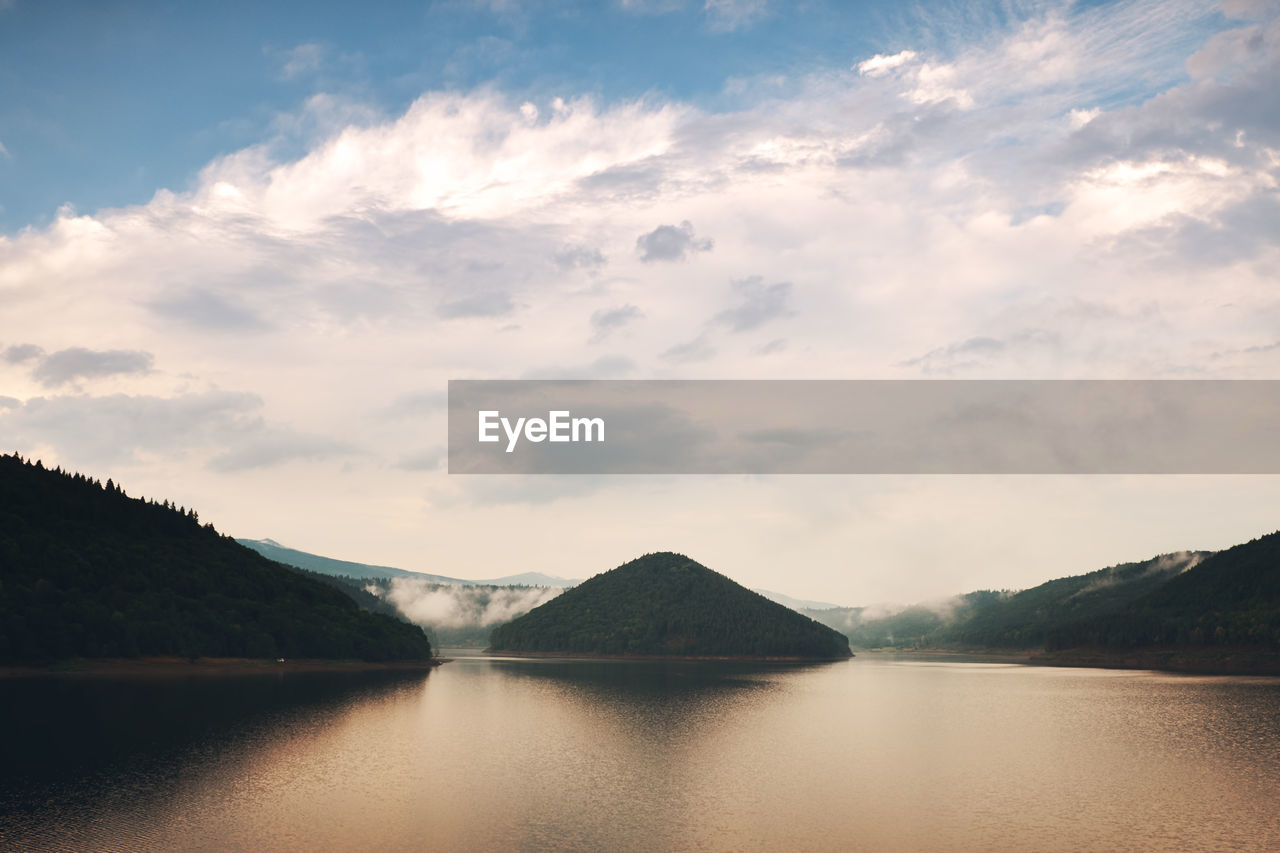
column 640, row 657
column 178, row 667
column 1185, row 661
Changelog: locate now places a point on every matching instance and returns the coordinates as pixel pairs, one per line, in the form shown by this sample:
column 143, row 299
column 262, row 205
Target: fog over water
column 456, row 606
column 488, row 753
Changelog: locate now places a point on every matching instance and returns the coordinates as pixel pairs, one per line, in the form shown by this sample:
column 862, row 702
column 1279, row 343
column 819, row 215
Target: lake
column 876, row 753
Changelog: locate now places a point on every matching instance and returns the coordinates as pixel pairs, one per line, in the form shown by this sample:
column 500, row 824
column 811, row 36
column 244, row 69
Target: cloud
column 480, row 305
column 727, row 16
column 1230, row 109
column 880, row 64
column 103, row 430
column 651, row 7
column 961, row 354
column 225, row 430
column 204, row 309
column 690, row 352
column 609, row 320
column 671, row 243
column 1250, row 8
column 758, row 304
column 427, row 460
column 931, row 83
column 70, row 365
column 1233, row 233
column 579, row 257
column 604, row 367
column 20, row 353
column 981, row 350
column 936, row 84
column 273, row 446
column 301, row 60
column 420, row 403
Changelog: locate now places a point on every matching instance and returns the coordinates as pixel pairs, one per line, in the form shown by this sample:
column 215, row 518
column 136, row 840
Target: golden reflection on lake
column 502, row 754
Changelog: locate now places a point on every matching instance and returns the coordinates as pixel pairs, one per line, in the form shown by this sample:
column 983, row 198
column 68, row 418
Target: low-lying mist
column 454, row 611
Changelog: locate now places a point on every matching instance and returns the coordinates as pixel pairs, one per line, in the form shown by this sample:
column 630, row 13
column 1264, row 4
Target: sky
column 244, row 246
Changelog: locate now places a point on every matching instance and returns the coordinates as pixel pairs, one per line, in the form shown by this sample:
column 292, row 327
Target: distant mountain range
column 342, row 568
column 797, row 604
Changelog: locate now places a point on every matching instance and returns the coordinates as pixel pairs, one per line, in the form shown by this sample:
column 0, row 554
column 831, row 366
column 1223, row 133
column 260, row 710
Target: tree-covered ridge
column 86, row 571
column 1027, row 619
column 1232, row 599
column 1187, row 600
column 667, row 604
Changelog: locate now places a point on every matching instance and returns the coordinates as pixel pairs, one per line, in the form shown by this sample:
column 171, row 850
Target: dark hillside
column 86, row 571
column 1028, row 618
column 667, row 604
column 1230, row 599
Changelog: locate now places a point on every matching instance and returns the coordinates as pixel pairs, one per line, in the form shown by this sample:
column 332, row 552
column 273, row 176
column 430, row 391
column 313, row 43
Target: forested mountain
column 667, row 604
column 1186, row 600
column 1026, row 619
column 86, row 571
column 1231, row 599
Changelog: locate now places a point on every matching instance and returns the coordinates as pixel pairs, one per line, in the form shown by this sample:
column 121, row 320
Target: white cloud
column 1078, row 118
column 935, row 84
column 881, row 64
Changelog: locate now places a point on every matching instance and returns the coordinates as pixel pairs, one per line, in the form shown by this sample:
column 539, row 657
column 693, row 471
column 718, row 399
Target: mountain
column 454, row 619
column 667, row 604
column 1230, row 599
column 86, row 571
column 273, row 550
column 1191, row 610
column 342, row 568
column 1026, row 619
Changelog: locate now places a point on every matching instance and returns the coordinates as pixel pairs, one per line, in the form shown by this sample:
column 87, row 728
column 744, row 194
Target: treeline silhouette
column 667, row 604
column 1191, row 599
column 87, row 571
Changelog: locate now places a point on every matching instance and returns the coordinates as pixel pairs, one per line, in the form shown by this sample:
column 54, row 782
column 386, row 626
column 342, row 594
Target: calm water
column 485, row 754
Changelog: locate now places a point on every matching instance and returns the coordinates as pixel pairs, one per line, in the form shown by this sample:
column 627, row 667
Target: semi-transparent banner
column 864, row 427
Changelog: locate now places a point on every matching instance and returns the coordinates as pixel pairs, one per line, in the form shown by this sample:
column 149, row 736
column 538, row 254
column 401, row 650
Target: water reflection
column 80, row 754
column 494, row 754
